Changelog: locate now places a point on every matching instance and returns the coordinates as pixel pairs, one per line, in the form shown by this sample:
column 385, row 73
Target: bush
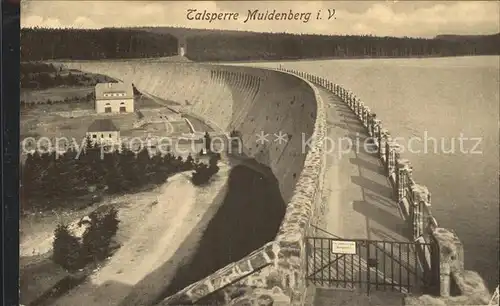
column 67, row 249
column 96, row 243
column 97, row 239
column 203, row 173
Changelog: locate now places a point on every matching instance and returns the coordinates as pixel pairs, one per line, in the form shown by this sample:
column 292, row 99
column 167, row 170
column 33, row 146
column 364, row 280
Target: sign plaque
column 343, row 247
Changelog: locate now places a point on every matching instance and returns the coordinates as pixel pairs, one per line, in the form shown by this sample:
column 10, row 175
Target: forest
column 42, row 76
column 82, row 44
column 220, row 45
column 269, row 46
column 49, row 180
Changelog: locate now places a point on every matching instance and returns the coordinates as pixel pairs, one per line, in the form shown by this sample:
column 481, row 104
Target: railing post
column 384, row 136
column 372, row 124
column 403, row 169
column 391, row 156
column 362, row 109
column 421, row 204
column 367, row 117
column 377, row 126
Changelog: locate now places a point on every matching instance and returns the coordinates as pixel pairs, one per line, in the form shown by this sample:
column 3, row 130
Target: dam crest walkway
column 360, row 206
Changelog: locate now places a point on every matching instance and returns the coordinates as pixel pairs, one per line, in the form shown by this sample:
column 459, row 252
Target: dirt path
column 159, row 235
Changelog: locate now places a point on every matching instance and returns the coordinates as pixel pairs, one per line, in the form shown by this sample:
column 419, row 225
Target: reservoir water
column 434, row 105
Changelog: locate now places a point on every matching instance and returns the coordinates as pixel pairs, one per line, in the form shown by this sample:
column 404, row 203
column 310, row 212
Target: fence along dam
column 302, row 260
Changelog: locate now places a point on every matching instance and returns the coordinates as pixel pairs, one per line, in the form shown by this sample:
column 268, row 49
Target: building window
column 122, row 103
column 108, row 104
column 94, row 136
column 109, row 135
column 102, row 136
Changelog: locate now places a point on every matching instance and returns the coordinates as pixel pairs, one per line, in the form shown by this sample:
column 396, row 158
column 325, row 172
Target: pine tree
column 97, row 238
column 66, row 249
column 113, row 175
column 189, row 163
column 126, row 163
column 142, row 166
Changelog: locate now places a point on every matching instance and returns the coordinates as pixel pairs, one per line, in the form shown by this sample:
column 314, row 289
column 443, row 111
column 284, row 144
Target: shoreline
column 336, row 58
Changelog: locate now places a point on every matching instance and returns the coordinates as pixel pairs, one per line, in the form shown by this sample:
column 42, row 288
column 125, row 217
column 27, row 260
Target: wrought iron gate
column 371, row 264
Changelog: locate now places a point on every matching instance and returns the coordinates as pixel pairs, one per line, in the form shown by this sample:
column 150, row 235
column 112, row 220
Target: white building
column 104, row 132
column 114, row 98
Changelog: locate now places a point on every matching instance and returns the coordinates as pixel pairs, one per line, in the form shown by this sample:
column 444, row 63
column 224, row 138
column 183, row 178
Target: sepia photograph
column 312, row 153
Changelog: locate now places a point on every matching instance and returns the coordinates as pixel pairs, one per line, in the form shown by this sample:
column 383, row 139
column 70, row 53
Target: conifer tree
column 66, row 249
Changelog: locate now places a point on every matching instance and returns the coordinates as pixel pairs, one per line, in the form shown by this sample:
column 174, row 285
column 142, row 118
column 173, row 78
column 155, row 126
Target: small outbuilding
column 114, row 98
column 103, row 131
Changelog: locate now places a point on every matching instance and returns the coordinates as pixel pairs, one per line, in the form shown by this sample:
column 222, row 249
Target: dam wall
column 286, row 109
column 253, row 101
column 456, row 286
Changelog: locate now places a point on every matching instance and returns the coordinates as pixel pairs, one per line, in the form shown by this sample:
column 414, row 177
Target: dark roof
column 109, row 88
column 102, row 125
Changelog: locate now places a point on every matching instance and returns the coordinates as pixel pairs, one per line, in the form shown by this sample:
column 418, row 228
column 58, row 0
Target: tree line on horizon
column 273, row 46
column 114, row 43
column 39, row 44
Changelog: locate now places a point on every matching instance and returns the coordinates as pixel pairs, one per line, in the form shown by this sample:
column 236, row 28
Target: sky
column 380, row 18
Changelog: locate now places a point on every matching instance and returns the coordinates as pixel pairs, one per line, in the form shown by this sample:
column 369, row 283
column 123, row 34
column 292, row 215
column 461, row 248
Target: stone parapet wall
column 456, row 285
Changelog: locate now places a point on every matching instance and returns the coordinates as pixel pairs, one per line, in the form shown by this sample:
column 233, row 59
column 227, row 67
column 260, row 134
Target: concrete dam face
column 249, row 100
